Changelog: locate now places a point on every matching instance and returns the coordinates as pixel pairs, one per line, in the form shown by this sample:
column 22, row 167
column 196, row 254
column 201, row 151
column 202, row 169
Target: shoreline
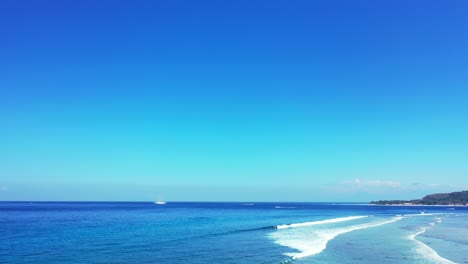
column 432, row 205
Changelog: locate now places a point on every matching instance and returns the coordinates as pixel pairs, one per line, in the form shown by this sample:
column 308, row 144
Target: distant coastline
column 438, row 199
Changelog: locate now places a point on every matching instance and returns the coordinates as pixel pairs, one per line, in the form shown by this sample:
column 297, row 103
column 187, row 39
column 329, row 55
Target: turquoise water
column 231, row 233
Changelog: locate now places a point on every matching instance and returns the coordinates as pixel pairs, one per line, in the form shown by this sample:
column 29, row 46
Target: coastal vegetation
column 453, row 198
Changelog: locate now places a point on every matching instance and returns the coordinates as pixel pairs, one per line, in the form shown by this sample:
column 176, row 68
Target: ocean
column 186, row 232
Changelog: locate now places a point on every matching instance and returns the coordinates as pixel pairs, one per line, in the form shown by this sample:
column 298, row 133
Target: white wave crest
column 426, row 251
column 321, row 222
column 424, row 214
column 312, row 242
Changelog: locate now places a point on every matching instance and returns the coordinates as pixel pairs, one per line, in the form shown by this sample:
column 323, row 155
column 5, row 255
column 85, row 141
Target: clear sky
column 233, row 100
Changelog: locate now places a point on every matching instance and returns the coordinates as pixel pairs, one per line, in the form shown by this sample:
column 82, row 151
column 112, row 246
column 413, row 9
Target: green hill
column 454, row 198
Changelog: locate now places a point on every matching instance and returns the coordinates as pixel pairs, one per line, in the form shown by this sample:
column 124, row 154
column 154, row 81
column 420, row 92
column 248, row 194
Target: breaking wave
column 321, row 222
column 309, row 242
column 426, row 251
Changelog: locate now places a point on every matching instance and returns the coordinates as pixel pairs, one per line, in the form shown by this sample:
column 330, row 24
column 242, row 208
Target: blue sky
column 233, row 100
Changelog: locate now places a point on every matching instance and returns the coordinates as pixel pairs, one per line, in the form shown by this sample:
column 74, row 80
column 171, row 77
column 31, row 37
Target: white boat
column 160, row 202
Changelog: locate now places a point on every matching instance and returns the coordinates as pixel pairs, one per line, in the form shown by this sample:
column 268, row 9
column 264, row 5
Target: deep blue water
column 121, row 232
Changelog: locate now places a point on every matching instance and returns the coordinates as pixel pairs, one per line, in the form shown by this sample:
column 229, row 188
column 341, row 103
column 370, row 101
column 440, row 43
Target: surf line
column 309, row 247
column 321, row 222
column 425, row 250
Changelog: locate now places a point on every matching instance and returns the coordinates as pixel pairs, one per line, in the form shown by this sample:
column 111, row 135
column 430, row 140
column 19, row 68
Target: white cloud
column 359, row 189
column 368, row 186
column 376, row 183
column 378, row 186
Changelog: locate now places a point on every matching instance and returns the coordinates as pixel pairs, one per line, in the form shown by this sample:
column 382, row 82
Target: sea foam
column 310, row 242
column 424, row 214
column 426, row 251
column 321, row 222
